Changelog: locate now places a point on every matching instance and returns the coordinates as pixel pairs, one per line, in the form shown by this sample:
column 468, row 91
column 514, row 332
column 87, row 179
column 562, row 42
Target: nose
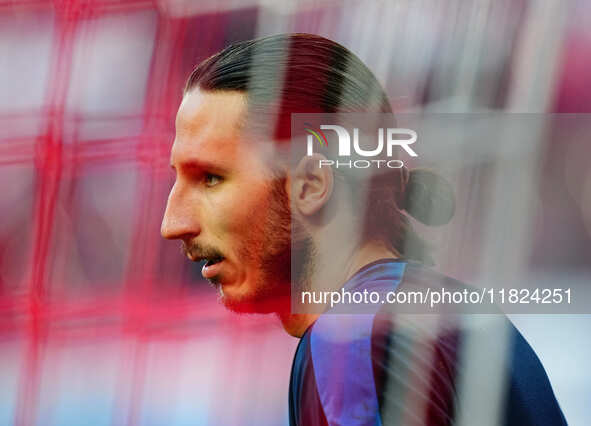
column 180, row 217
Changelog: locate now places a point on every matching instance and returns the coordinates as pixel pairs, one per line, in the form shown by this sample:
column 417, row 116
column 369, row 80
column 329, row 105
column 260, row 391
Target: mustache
column 198, row 252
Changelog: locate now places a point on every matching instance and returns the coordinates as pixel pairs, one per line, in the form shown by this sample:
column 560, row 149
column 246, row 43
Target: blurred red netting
column 90, row 90
column 89, row 94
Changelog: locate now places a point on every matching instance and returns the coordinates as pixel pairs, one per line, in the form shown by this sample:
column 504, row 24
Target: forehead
column 208, row 126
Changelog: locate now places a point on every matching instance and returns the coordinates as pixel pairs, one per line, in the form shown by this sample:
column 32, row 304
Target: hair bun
column 429, row 198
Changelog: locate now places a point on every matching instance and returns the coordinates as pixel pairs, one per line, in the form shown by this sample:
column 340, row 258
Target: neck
column 297, row 324
column 368, row 252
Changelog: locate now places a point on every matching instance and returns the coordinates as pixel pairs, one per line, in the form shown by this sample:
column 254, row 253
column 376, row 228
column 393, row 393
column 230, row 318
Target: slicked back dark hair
column 293, row 73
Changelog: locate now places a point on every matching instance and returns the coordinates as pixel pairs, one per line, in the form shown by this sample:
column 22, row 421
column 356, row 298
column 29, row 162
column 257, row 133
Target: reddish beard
column 268, row 246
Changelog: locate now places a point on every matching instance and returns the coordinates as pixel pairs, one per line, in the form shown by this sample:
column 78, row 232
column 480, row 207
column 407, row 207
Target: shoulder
column 361, row 366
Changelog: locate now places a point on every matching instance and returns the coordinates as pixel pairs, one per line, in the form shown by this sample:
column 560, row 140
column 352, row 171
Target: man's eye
column 212, row 180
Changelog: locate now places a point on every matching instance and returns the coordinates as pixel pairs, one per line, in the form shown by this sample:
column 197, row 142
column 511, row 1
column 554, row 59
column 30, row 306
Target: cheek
column 243, row 211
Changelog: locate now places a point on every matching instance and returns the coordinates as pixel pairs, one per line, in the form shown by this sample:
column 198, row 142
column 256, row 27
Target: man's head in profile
column 239, row 204
column 266, row 222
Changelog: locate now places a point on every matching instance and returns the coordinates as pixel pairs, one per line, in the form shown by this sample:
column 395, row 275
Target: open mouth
column 213, row 260
column 212, row 267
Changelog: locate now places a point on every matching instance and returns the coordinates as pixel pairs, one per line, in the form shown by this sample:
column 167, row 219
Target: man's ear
column 312, row 185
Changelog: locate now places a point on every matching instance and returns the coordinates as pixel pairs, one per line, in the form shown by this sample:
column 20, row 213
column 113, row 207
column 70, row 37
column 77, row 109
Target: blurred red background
column 102, row 321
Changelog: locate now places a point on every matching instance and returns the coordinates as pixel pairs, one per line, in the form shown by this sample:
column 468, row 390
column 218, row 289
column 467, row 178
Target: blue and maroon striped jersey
column 382, row 368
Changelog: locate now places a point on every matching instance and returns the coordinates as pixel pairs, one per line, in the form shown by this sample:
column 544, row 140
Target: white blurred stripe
column 537, row 56
column 482, row 381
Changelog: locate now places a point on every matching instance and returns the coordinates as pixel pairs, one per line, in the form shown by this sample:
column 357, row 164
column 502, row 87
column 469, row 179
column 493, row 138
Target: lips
column 211, row 268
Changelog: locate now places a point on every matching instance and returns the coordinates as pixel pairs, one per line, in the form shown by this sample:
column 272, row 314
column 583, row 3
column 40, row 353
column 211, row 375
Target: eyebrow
column 198, row 165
